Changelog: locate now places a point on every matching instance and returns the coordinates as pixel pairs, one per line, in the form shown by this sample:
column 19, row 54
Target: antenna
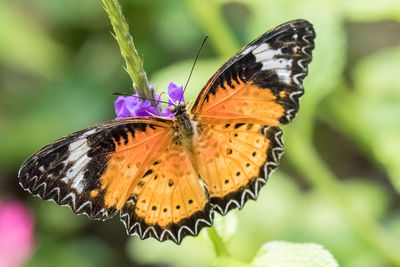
column 120, row 94
column 143, row 98
column 194, row 63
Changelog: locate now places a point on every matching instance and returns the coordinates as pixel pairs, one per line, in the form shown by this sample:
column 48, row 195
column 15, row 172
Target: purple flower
column 125, row 106
column 174, row 93
column 146, row 109
column 134, row 106
column 16, row 234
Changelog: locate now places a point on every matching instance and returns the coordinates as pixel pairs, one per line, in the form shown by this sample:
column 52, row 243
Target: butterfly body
column 166, row 177
column 185, row 127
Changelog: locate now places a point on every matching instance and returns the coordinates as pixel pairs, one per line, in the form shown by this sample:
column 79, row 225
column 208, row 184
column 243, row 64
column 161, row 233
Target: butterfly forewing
column 261, row 83
column 92, row 170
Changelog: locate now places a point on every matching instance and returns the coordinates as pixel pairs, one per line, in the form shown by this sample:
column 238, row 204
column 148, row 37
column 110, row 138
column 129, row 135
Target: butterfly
column 167, row 176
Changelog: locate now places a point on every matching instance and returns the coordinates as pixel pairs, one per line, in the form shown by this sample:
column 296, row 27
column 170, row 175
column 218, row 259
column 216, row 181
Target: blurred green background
column 339, row 181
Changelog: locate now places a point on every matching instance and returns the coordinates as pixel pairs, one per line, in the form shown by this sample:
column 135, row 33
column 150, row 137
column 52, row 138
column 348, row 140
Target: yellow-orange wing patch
column 262, row 83
column 129, row 160
column 168, row 203
column 242, row 102
column 235, row 160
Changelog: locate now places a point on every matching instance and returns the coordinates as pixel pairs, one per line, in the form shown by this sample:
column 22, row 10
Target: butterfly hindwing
column 235, row 160
column 88, row 170
column 261, row 83
column 169, row 202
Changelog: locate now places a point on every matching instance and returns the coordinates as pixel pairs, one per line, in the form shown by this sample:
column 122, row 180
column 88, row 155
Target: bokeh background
column 339, row 181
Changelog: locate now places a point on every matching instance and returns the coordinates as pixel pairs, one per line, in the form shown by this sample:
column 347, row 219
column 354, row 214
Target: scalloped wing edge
column 176, row 233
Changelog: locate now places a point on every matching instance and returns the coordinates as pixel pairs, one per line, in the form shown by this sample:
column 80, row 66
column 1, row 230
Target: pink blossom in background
column 16, row 233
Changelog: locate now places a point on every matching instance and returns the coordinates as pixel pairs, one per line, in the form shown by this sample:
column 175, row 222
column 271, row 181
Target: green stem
column 219, row 245
column 134, row 64
column 223, row 256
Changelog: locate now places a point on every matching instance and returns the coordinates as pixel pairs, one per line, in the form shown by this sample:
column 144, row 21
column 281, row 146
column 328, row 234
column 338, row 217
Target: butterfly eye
column 172, row 109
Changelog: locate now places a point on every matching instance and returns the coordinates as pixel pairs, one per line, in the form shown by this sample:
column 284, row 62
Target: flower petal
column 121, row 108
column 145, row 109
column 175, row 93
column 119, row 103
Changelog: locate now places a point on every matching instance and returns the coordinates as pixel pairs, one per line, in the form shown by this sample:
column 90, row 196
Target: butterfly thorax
column 184, row 128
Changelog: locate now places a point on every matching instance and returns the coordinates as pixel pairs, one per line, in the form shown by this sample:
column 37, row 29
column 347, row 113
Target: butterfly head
column 179, row 108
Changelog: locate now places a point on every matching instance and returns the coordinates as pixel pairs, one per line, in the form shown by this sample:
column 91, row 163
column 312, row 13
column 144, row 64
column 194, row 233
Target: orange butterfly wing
column 93, row 170
column 240, row 107
column 262, row 83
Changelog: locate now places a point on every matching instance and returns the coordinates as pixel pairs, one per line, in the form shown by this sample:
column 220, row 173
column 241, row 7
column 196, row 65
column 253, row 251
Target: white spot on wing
column 77, row 148
column 90, row 132
column 265, row 52
column 270, row 60
column 284, row 75
column 277, row 63
column 79, row 159
column 247, row 50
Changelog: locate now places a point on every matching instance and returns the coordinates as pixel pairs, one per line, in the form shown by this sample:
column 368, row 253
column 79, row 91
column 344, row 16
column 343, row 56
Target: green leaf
column 285, row 254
